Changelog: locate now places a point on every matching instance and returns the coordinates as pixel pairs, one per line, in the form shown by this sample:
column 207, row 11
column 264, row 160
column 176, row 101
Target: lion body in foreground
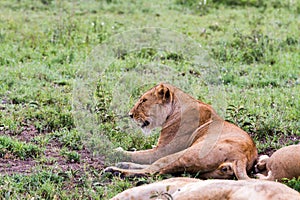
column 193, row 139
column 190, row 188
column 284, row 163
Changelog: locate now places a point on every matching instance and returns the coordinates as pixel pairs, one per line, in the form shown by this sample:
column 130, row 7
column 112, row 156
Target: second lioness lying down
column 189, row 188
column 284, row 163
column 193, row 138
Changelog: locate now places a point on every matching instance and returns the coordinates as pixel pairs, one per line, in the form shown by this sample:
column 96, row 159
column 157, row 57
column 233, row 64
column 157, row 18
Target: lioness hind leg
column 209, row 167
column 190, row 161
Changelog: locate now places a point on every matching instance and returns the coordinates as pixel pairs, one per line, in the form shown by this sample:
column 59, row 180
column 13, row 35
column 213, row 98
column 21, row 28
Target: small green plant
column 19, row 149
column 201, row 7
column 293, row 183
column 256, row 3
column 42, row 184
column 240, row 116
column 103, row 98
column 68, row 138
column 247, row 49
column 71, row 156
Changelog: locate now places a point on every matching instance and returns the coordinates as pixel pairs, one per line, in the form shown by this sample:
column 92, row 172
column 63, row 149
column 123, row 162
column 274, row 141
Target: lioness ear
column 163, row 93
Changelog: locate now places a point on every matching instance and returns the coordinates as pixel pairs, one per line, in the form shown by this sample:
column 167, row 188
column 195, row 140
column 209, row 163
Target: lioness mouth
column 146, row 123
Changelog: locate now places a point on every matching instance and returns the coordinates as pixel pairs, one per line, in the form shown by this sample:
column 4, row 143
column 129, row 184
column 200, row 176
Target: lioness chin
column 193, row 138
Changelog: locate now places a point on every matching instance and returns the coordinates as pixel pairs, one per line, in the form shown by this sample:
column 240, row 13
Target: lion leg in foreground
column 193, row 138
column 189, row 188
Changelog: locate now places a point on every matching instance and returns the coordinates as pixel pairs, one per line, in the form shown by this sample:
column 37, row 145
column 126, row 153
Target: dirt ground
column 9, row 164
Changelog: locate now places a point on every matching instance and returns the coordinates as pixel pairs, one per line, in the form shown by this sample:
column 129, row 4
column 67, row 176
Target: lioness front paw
column 113, row 170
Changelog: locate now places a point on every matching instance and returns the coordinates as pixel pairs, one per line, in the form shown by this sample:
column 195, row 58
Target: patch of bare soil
column 87, row 161
column 9, row 164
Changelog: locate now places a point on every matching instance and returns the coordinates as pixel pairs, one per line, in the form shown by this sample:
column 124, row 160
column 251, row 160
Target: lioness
column 284, row 163
column 189, row 188
column 193, row 138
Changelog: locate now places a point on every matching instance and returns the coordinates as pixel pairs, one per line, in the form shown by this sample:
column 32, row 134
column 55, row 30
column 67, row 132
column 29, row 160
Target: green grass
column 10, row 146
column 254, row 45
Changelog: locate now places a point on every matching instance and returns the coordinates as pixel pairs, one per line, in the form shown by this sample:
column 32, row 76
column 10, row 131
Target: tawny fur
column 189, row 189
column 193, row 138
column 284, row 163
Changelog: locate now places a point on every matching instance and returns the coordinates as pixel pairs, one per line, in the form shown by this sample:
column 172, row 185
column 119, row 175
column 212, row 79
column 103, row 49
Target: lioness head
column 153, row 108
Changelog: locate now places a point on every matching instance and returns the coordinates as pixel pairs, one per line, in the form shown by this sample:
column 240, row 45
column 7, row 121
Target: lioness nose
column 130, row 115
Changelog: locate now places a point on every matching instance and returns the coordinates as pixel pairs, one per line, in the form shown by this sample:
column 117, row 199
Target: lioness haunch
column 193, row 138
